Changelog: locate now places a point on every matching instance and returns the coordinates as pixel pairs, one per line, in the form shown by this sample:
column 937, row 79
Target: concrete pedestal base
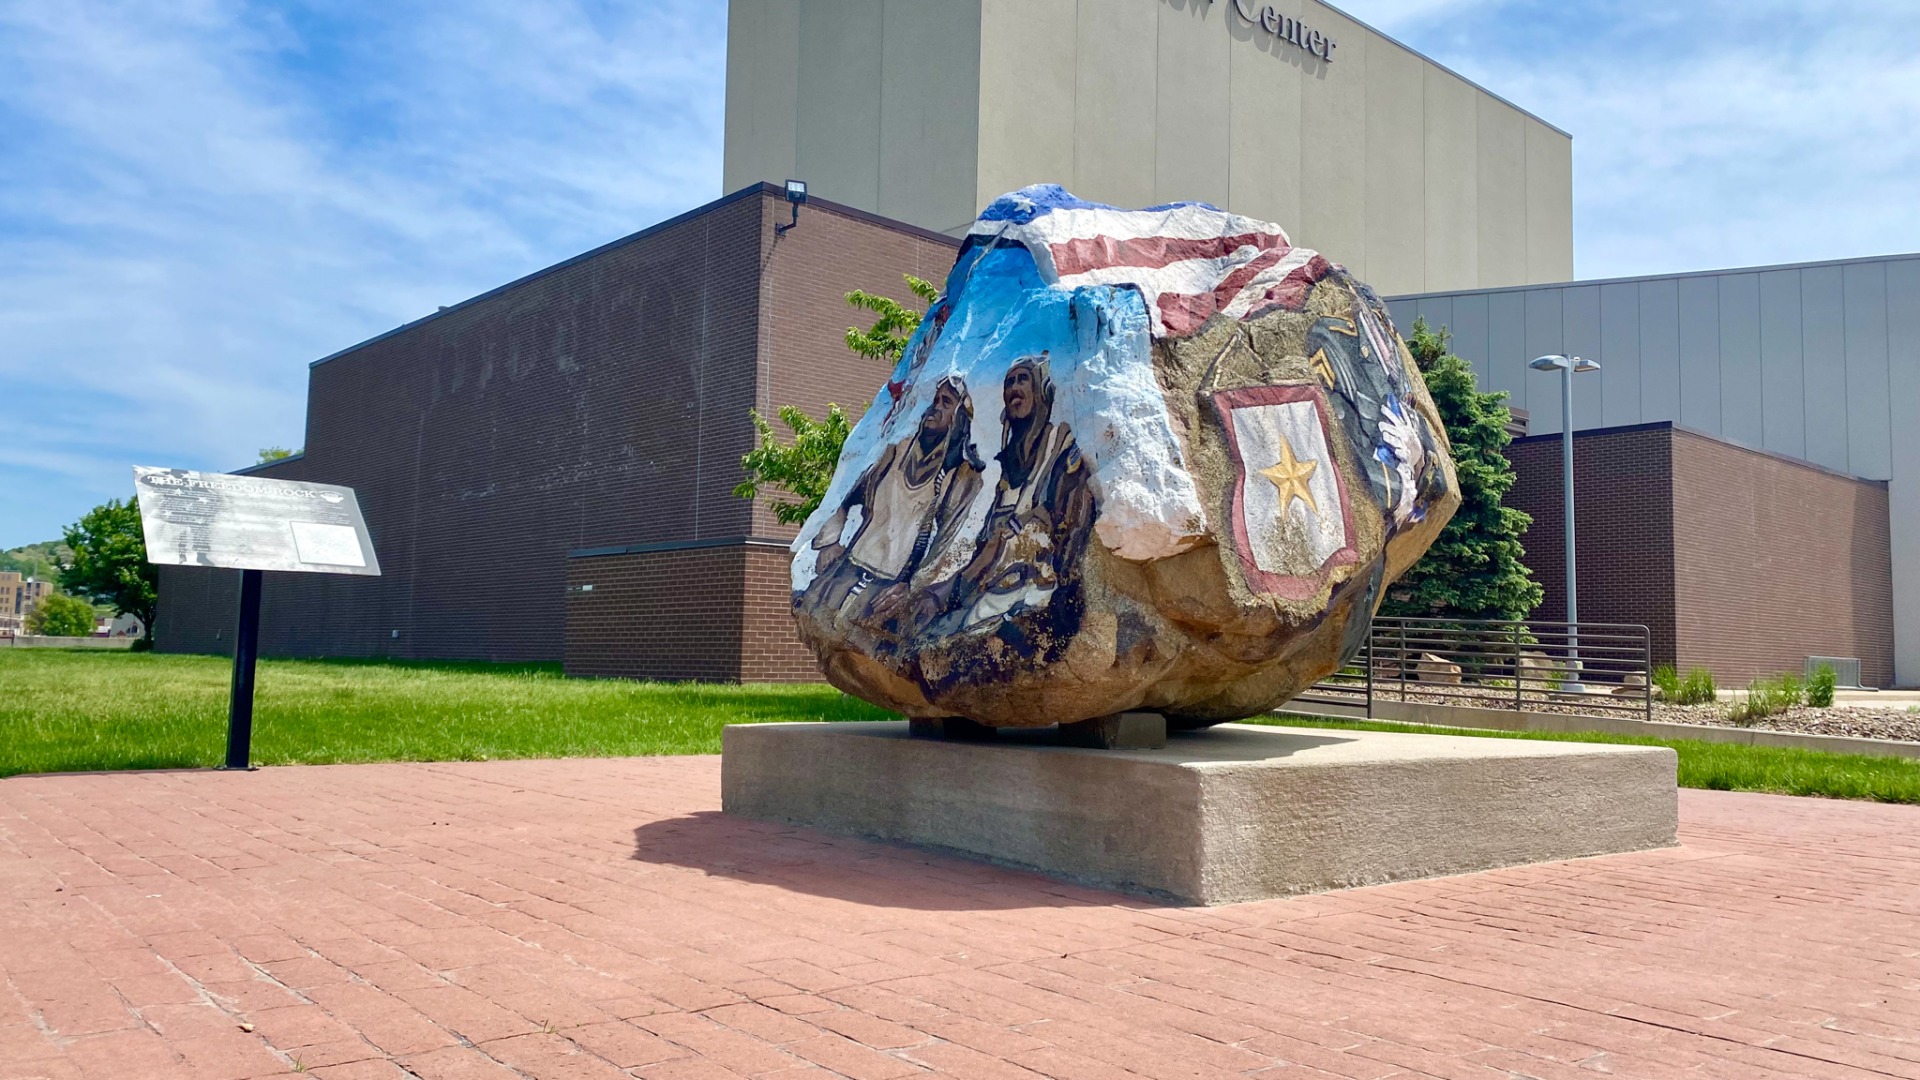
column 1237, row 812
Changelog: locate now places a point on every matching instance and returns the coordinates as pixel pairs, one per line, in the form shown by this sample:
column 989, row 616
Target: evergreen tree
column 802, row 464
column 1473, row 570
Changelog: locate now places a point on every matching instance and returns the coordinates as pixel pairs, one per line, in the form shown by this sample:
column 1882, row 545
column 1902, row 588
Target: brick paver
column 600, row 919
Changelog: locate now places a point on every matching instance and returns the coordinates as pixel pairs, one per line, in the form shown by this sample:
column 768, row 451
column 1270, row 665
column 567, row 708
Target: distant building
column 547, row 469
column 1413, row 177
column 18, row 595
column 1779, row 517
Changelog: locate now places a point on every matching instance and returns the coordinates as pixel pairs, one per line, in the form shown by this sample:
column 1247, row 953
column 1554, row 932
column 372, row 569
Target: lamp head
column 796, row 191
column 1557, row 362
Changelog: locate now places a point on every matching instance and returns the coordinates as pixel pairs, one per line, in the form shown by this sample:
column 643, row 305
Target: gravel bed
column 1860, row 722
column 1857, row 721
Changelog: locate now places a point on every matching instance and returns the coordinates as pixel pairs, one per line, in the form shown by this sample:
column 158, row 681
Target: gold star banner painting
column 1291, row 518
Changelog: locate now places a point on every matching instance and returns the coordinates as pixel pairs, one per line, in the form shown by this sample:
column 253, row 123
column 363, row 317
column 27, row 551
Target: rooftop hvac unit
column 1846, row 670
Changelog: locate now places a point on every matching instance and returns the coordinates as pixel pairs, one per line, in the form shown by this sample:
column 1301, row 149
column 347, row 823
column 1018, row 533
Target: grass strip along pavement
column 73, row 710
column 78, row 710
column 1715, row 766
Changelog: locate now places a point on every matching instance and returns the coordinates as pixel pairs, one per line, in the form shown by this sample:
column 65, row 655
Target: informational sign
column 252, row 523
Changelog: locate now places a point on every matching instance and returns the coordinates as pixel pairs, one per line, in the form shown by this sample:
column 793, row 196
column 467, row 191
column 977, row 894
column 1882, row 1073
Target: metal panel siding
column 1700, row 353
column 1823, row 337
column 1438, row 312
column 1581, row 307
column 1620, row 354
column 1782, row 384
column 1741, row 416
column 1817, row 362
column 1507, row 346
column 1867, row 415
column 1659, row 350
column 1903, row 490
column 1545, row 332
column 1403, row 312
column 1470, row 335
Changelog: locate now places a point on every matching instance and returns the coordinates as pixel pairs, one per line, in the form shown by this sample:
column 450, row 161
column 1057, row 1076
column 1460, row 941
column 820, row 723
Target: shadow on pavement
column 869, row 872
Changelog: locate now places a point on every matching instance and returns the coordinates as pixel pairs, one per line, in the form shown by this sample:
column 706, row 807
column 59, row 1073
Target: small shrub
column 1668, row 681
column 1820, row 687
column 1790, row 688
column 1695, row 689
column 1768, row 697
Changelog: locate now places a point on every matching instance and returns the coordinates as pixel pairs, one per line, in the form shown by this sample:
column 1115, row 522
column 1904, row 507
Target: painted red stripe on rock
column 1152, row 252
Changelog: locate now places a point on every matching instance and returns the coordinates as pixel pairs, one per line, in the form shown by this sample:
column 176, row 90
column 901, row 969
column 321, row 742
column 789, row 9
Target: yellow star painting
column 1290, row 475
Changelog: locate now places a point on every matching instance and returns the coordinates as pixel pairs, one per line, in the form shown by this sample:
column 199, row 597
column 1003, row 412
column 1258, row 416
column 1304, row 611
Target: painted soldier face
column 1018, row 392
column 938, row 419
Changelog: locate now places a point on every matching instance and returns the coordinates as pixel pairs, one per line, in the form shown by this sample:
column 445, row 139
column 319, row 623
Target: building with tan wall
column 925, row 110
column 18, row 596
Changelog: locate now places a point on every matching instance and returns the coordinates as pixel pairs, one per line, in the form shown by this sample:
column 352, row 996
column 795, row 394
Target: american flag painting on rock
column 1159, row 459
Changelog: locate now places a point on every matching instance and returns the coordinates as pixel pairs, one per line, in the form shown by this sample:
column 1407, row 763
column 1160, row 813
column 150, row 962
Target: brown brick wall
column 1623, row 482
column 596, row 404
column 809, row 272
column 600, row 403
column 1777, row 560
column 656, row 615
column 770, row 643
column 1738, row 561
column 712, row 613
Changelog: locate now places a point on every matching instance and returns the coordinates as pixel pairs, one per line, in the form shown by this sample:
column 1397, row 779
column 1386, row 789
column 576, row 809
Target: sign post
column 246, row 650
column 252, row 524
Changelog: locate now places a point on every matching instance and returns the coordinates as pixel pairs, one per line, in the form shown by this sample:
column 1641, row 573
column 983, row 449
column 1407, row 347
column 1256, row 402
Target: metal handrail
column 1498, row 663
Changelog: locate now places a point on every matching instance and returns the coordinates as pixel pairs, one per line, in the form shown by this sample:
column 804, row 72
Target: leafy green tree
column 1473, row 570
column 109, row 562
column 60, row 615
column 802, row 463
column 894, row 322
column 275, row 453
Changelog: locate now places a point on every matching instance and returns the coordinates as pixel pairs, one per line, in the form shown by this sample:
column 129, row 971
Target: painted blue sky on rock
column 199, row 198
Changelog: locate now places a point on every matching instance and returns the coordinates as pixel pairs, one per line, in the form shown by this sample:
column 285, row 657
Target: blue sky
column 198, row 198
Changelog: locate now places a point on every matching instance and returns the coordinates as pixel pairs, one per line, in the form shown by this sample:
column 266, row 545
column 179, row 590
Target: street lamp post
column 1566, row 366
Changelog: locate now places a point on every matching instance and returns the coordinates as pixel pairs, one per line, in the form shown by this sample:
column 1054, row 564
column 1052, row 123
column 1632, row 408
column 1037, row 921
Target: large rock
column 1156, row 459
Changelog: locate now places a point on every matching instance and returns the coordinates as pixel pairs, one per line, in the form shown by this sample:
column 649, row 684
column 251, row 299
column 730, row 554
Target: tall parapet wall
column 925, row 110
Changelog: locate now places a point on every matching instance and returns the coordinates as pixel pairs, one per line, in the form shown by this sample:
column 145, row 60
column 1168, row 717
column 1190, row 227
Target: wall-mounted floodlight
column 796, row 194
column 1567, row 366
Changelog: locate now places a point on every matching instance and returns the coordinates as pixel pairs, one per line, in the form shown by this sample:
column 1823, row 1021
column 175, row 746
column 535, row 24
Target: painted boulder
column 1132, row 459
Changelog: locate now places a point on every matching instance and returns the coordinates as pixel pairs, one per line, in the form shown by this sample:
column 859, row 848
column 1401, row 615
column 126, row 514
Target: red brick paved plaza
column 600, row 919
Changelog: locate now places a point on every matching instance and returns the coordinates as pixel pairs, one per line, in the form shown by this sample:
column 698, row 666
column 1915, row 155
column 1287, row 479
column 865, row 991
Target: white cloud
column 198, row 198
column 1711, row 133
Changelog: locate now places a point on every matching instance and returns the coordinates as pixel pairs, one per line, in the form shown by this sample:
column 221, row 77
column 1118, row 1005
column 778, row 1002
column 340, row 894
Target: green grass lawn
column 1717, row 766
column 68, row 710
column 76, row 710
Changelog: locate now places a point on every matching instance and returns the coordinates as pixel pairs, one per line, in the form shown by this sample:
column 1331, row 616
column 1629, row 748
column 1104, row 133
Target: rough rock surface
column 1156, row 459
